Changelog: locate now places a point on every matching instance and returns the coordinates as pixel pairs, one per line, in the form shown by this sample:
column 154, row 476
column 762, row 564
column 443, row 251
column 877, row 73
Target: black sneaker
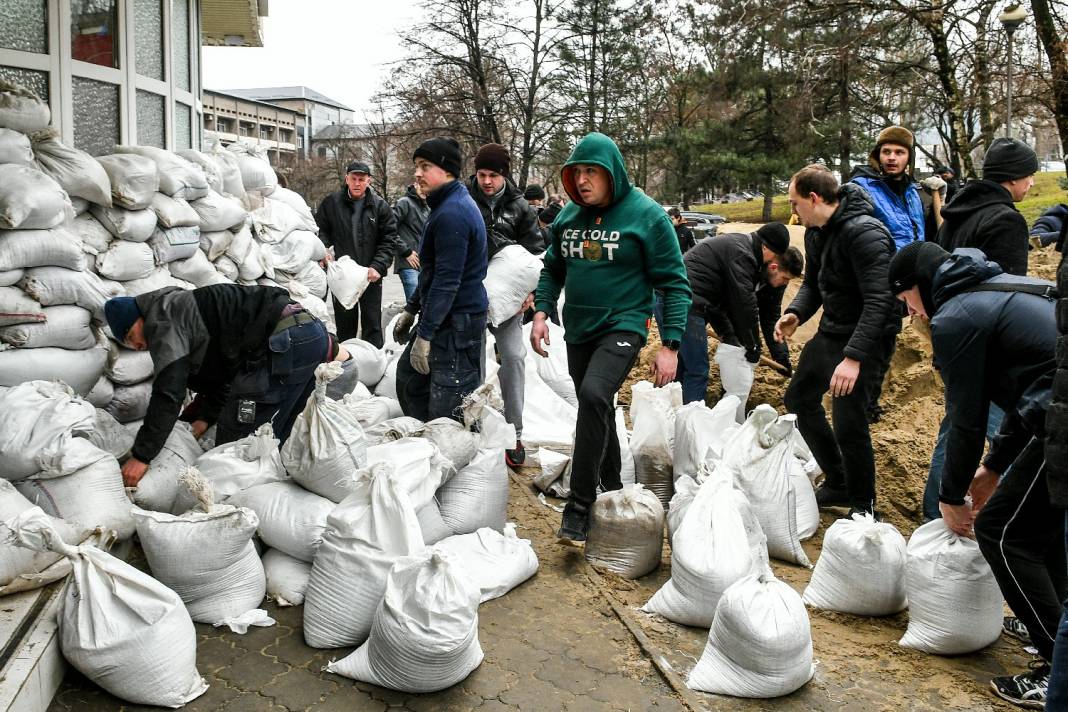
column 575, row 523
column 827, row 496
column 516, row 457
column 1027, row 689
column 1012, row 626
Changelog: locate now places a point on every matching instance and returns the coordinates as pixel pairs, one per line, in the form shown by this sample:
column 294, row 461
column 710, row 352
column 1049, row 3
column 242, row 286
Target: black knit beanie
column 534, row 192
column 775, row 236
column 549, row 213
column 915, row 264
column 1009, row 159
column 493, row 157
column 442, row 151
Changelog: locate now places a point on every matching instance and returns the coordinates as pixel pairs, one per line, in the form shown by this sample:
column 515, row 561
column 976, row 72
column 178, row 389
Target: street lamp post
column 1011, row 18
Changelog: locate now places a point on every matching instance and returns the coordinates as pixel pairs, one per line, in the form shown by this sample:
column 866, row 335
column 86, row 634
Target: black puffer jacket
column 846, row 264
column 377, row 228
column 989, row 347
column 982, row 215
column 1057, row 415
column 511, row 220
column 411, row 213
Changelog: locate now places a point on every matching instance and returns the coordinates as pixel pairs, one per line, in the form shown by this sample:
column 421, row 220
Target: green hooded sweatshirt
column 610, row 259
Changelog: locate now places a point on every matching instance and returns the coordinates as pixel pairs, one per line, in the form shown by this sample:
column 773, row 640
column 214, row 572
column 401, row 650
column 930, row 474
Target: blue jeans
column 409, row 280
column 1057, row 692
column 938, row 459
column 457, row 366
column 693, row 360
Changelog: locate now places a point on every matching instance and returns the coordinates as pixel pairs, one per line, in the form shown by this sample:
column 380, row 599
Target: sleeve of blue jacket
column 451, row 235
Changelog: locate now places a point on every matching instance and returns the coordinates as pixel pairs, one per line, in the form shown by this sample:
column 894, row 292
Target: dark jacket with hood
column 989, row 347
column 509, row 219
column 367, row 237
column 1051, row 225
column 982, row 215
column 452, row 262
column 1057, row 415
column 410, row 214
column 201, row 339
column 896, row 203
column 611, row 258
column 846, row 267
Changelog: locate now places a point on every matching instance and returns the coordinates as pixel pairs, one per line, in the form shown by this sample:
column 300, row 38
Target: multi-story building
column 318, row 109
column 279, row 130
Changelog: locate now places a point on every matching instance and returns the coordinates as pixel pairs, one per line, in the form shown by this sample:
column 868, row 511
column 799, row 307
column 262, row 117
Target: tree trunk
column 932, row 22
column 1056, row 47
column 983, row 79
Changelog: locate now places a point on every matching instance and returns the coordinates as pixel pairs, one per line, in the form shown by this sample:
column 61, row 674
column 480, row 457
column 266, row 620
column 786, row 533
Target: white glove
column 934, row 183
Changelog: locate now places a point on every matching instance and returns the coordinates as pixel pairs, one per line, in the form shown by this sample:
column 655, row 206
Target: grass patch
column 1045, row 194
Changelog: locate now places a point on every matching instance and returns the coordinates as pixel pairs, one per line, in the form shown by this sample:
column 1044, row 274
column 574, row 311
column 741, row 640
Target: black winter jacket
column 1051, row 225
column 724, row 271
column 511, row 220
column 377, row 228
column 410, row 213
column 235, row 320
column 1057, row 415
column 989, row 347
column 846, row 273
column 982, row 215
column 686, row 238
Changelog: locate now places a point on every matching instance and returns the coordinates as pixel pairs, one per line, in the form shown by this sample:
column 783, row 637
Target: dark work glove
column 403, row 327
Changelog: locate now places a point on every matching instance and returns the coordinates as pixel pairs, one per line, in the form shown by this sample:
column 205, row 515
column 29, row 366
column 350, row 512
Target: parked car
column 703, row 224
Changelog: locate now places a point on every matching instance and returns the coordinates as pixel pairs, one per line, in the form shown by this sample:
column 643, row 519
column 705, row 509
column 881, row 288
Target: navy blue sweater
column 452, row 260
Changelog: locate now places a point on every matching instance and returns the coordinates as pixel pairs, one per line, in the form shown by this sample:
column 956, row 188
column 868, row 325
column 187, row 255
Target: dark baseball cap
column 358, row 167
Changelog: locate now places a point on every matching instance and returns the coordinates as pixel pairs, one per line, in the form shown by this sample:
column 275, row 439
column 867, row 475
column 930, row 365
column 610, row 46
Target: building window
column 265, row 132
column 96, row 115
column 35, row 81
column 148, row 18
column 25, row 26
column 300, row 141
column 243, row 130
column 183, row 126
column 150, row 119
column 180, row 42
column 93, row 35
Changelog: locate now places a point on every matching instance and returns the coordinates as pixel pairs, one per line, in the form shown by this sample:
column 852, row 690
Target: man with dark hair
column 509, row 221
column 682, row 230
column 994, row 338
column 888, row 180
column 410, row 212
column 445, row 360
column 848, row 251
column 534, row 194
column 949, row 176
column 357, row 222
column 738, row 280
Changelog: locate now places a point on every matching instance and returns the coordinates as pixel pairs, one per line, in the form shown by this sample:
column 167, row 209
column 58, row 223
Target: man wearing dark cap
column 738, row 281
column 534, row 194
column 445, row 360
column 982, row 215
column 249, row 353
column 357, row 222
column 948, row 175
column 888, row 180
column 509, row 221
column 994, row 338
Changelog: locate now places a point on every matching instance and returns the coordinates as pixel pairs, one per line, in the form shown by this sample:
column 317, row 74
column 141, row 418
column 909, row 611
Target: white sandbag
column 387, row 387
column 22, row 569
column 718, row 543
column 425, row 633
column 197, row 270
column 11, row 276
column 78, row 369
column 21, row 110
column 295, row 201
column 159, row 278
column 314, row 278
column 52, row 286
column 76, row 171
column 178, row 177
column 253, row 266
column 392, row 429
column 808, row 511
column 15, row 148
column 125, row 224
column 158, row 490
column 327, row 444
column 548, row 419
column 256, row 172
column 102, row 393
column 176, row 243
column 457, row 444
column 701, row 433
column 347, row 383
column 760, row 645
column 955, row 605
column 861, row 569
column 129, row 402
column 127, row 366
column 173, row 212
column 80, row 205
column 120, row 627
column 685, row 490
column 124, row 261
column 372, row 528
column 495, row 562
column 316, row 307
column 206, row 164
column 215, row 244
column 244, row 463
column 477, row 495
column 275, row 220
column 553, row 369
column 229, row 172
column 626, row 459
column 626, row 532
column 512, row 274
column 94, row 236
column 92, row 496
column 206, row 557
column 555, row 476
column 432, row 526
column 218, row 212
column 65, row 326
column 287, row 578
column 134, row 179
column 17, row 307
column 58, row 247
column 227, row 268
column 37, row 422
column 370, row 361
column 292, row 519
column 759, row 458
column 110, row 435
column 652, row 414
column 297, row 249
column 372, row 410
column 417, row 464
column 347, row 280
column 31, row 200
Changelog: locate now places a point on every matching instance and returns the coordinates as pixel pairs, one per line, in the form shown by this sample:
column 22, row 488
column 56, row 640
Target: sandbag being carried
column 425, row 633
column 512, row 274
column 626, row 531
column 955, row 605
column 134, row 179
column 287, row 578
column 347, row 280
column 31, row 200
column 22, row 569
column 120, row 627
column 760, row 644
column 75, row 171
column 58, row 247
column 66, row 327
column 292, row 519
column 861, row 569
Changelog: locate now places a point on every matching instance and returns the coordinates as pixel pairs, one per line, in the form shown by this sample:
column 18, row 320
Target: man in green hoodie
column 611, row 247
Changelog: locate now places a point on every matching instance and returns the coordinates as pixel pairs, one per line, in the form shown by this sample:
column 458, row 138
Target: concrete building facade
column 318, row 109
column 231, row 118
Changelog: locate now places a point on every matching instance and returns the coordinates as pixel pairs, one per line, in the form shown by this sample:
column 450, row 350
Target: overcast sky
column 340, row 48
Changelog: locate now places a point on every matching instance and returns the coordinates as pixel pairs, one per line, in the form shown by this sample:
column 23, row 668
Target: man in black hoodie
column 982, row 214
column 994, row 337
column 847, row 250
